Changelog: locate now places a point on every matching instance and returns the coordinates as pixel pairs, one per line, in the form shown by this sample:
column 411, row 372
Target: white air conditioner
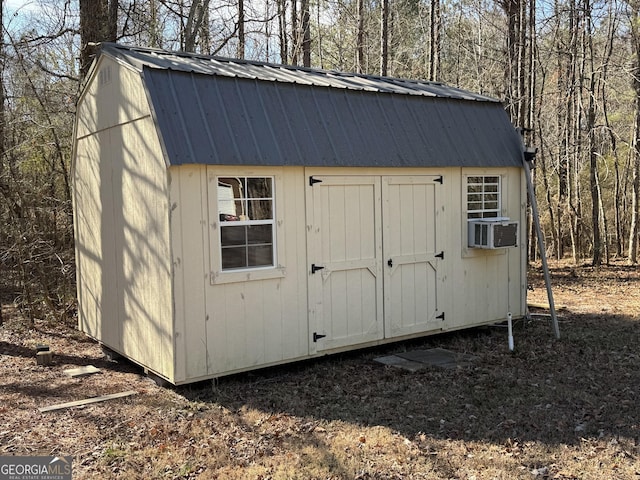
column 493, row 233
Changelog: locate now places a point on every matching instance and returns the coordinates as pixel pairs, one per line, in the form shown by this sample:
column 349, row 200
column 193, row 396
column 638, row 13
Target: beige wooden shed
column 232, row 215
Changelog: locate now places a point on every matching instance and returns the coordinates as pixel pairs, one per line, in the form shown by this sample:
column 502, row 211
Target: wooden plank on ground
column 86, row 401
column 544, row 306
column 81, row 371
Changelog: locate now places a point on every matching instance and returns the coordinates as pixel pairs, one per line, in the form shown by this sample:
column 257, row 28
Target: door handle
column 390, row 262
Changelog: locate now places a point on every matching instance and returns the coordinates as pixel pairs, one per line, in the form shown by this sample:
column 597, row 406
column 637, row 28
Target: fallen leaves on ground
column 563, row 410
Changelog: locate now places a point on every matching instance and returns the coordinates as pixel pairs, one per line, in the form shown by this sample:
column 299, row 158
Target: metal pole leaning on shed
column 530, row 152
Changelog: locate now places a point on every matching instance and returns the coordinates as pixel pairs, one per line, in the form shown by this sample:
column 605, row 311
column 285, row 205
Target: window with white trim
column 483, row 196
column 247, row 226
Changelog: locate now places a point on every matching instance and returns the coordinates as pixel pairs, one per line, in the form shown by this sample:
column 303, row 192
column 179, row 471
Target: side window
column 247, row 228
column 483, row 197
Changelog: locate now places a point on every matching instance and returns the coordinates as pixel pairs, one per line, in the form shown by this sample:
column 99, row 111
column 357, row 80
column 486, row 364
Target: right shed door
column 412, row 253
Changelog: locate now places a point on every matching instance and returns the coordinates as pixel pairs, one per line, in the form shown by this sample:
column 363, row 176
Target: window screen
column 483, row 197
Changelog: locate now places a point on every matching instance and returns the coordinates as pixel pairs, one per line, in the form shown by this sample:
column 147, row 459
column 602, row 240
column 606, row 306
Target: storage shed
column 232, row 214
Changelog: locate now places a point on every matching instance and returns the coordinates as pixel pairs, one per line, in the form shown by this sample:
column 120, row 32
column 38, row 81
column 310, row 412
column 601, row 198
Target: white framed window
column 484, row 199
column 246, row 212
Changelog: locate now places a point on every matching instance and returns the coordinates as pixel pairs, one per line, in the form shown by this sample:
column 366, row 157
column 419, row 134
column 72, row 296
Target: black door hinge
column 315, row 268
column 313, row 180
column 441, row 316
column 317, row 336
column 440, row 255
column 439, row 180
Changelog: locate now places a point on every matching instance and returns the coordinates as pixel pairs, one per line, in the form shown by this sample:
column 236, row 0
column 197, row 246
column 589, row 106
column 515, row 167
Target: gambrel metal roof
column 218, row 111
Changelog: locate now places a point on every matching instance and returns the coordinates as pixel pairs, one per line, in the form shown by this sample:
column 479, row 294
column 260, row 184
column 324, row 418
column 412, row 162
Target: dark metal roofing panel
column 222, row 120
column 210, row 65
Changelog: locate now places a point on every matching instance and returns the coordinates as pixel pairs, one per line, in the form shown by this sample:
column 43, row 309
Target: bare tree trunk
column 626, row 185
column 531, row 116
column 360, row 38
column 573, row 145
column 295, row 40
column 521, row 66
column 542, row 159
column 282, row 31
column 576, row 197
column 155, row 35
column 635, row 159
column 618, row 203
column 512, row 11
column 604, row 225
column 306, row 33
column 93, row 30
column 2, row 129
column 98, row 23
column 112, row 24
column 205, row 33
column 634, row 19
column 319, row 37
column 562, row 124
column 617, row 200
column 546, row 186
column 434, row 41
column 635, row 196
column 531, row 63
column 617, row 188
column 241, row 36
column 194, row 23
column 384, row 38
column 594, row 186
column 600, row 88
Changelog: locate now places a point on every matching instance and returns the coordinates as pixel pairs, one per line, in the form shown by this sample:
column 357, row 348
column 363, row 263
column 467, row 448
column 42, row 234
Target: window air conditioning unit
column 493, row 233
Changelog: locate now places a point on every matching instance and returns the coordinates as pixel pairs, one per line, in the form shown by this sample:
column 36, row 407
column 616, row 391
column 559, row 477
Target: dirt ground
column 567, row 409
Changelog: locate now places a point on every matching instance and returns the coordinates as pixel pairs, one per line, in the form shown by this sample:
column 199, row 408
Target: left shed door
column 345, row 271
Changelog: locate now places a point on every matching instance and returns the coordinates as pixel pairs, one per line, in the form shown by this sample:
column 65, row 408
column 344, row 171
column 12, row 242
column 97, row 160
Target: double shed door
column 373, row 247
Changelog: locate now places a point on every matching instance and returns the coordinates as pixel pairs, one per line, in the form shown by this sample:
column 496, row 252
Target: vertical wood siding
column 122, row 223
column 190, row 271
column 94, row 226
column 235, row 325
column 485, row 285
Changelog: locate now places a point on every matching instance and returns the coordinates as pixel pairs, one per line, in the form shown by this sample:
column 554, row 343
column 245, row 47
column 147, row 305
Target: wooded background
column 566, row 70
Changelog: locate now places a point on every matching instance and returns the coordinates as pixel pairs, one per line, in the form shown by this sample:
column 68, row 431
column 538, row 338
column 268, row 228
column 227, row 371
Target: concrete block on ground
column 44, row 358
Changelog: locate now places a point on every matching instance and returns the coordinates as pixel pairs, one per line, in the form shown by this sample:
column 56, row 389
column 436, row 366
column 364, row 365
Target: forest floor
column 556, row 409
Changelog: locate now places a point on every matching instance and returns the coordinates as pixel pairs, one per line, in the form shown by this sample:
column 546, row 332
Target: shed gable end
column 114, row 95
